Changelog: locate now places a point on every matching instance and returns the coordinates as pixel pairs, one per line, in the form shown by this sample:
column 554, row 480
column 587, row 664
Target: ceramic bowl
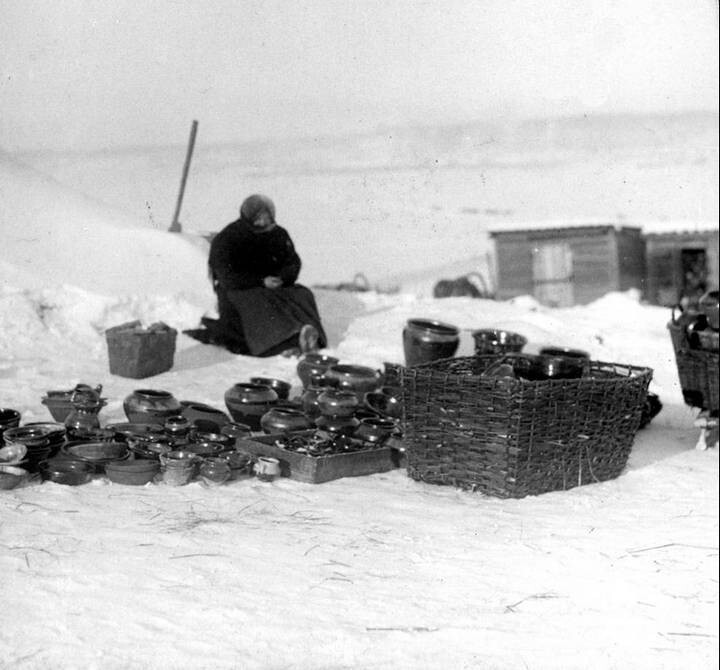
column 337, row 425
column 12, row 454
column 126, row 430
column 375, row 430
column 227, row 442
column 540, row 368
column 132, row 472
column 11, row 476
column 204, row 449
column 96, row 454
column 32, row 437
column 66, row 471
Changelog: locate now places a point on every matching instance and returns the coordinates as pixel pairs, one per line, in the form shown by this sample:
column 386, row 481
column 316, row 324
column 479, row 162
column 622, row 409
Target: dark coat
column 255, row 319
column 241, row 258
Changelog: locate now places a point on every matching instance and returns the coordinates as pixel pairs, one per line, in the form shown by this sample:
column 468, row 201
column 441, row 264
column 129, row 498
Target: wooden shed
column 562, row 266
column 680, row 264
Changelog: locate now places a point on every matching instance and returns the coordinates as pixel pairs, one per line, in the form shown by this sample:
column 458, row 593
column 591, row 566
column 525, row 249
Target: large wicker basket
column 510, row 437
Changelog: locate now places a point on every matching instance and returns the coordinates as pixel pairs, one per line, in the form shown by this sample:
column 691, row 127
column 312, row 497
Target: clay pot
column 248, row 402
column 309, row 399
column 214, row 471
column 376, row 430
column 282, row 388
column 150, row 406
column 539, row 368
column 339, row 425
column 357, row 378
column 313, row 365
column 240, row 464
column 267, row 468
column 284, row 420
column 337, row 402
column 425, row 341
column 491, row 341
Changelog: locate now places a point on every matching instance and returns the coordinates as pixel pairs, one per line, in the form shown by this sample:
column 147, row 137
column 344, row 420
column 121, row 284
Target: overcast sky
column 92, row 73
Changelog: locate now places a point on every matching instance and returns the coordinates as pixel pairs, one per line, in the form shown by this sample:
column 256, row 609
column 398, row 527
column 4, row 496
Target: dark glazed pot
column 540, row 368
column 357, row 378
column 150, row 406
column 284, row 420
column 314, row 365
column 376, row 430
column 337, row 402
column 490, row 341
column 340, row 425
column 425, row 341
column 248, row 402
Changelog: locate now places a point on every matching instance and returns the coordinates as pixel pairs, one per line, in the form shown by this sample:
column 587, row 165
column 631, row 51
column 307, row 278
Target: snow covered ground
column 371, row 572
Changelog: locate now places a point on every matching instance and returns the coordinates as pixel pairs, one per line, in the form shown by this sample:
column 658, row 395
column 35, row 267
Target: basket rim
column 635, row 372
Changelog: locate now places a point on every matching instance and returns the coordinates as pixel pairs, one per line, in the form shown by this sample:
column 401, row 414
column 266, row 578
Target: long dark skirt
column 262, row 320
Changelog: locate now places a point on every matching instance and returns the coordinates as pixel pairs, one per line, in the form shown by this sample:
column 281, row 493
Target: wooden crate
column 319, row 469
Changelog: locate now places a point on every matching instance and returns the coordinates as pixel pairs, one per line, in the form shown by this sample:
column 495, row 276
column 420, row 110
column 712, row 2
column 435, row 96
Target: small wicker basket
column 510, row 437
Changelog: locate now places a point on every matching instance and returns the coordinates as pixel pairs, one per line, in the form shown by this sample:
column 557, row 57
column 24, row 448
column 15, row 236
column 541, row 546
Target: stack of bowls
column 41, row 440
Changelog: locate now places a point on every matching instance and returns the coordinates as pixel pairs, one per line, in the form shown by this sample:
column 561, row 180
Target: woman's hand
column 272, row 282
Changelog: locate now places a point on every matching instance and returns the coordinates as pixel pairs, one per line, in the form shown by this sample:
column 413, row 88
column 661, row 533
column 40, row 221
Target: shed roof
column 678, row 226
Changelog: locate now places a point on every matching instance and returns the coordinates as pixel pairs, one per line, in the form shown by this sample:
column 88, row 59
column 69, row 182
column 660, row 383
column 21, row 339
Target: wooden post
column 175, row 226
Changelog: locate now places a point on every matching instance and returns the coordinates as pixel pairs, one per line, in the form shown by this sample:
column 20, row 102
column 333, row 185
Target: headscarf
column 254, row 204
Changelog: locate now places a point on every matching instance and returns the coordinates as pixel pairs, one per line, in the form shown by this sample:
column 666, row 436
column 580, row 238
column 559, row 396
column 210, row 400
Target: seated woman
column 262, row 311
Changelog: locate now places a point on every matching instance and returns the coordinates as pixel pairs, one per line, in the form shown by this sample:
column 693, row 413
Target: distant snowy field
column 371, row 572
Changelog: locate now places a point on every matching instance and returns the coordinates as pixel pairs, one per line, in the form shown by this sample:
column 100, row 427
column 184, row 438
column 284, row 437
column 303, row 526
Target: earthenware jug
column 150, row 406
column 83, row 418
column 425, row 341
